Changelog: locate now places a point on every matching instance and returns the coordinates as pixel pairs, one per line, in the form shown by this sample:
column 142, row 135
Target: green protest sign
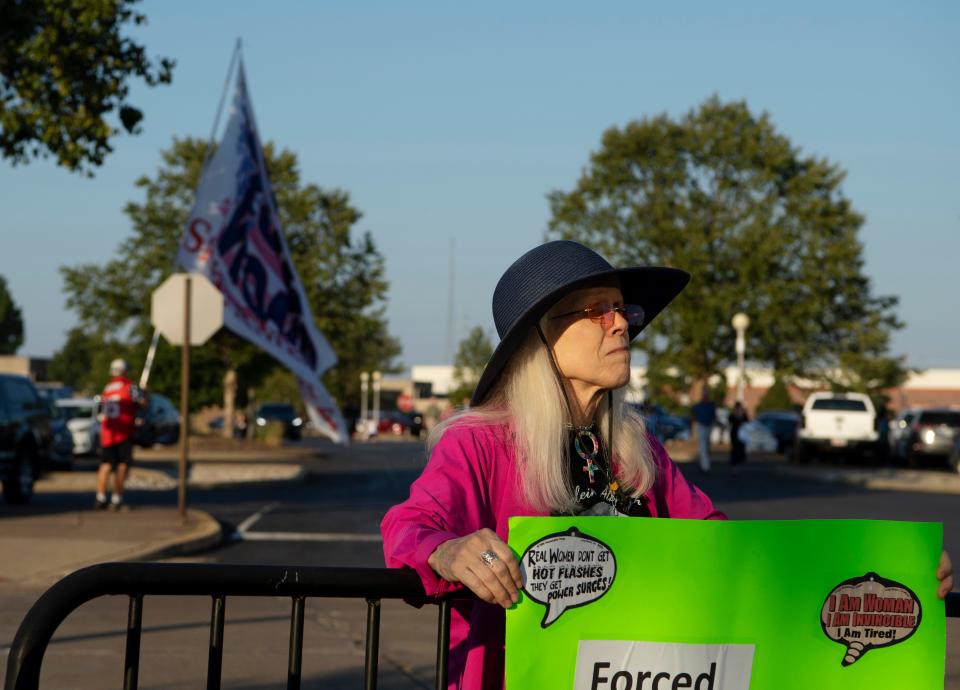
column 632, row 604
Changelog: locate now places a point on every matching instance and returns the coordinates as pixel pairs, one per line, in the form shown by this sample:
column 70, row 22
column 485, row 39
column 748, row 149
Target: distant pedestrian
column 704, row 416
column 118, row 419
column 240, row 425
column 738, row 449
column 883, row 435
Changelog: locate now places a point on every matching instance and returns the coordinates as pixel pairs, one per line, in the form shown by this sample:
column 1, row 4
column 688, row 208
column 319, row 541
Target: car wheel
column 913, row 460
column 18, row 485
column 953, row 460
column 802, row 454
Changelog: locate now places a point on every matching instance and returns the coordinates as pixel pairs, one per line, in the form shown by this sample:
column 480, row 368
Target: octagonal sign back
column 206, row 308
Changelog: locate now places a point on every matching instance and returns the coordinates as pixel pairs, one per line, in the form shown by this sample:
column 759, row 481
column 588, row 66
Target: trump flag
column 233, row 237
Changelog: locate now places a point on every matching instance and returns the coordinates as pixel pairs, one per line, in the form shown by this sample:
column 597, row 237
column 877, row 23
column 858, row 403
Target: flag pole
column 235, row 56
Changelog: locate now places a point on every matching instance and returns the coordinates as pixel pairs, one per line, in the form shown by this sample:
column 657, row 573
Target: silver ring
column 489, row 557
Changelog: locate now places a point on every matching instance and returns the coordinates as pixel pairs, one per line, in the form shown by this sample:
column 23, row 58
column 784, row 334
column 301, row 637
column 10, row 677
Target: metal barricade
column 137, row 580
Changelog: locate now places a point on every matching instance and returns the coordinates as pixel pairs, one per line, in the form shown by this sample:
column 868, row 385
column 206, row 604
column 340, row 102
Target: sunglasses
column 603, row 314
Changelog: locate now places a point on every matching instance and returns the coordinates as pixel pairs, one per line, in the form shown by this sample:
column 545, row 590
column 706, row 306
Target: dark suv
column 283, row 413
column 927, row 433
column 25, row 436
column 159, row 422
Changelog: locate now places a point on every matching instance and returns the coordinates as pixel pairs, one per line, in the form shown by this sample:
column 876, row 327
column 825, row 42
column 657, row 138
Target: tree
column 78, row 363
column 777, row 397
column 473, row 353
column 11, row 322
column 342, row 275
column 64, row 68
column 762, row 228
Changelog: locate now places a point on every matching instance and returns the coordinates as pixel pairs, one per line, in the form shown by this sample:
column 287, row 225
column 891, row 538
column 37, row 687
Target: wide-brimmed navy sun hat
column 542, row 276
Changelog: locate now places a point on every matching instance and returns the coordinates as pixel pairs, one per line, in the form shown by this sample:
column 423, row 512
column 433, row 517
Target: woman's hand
column 945, row 575
column 483, row 563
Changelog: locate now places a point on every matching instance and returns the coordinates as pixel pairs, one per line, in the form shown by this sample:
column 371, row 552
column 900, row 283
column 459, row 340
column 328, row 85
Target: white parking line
column 253, row 519
column 310, row 536
column 243, row 532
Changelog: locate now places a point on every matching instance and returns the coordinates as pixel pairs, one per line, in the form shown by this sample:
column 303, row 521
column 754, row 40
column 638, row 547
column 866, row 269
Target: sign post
column 187, row 310
column 184, row 401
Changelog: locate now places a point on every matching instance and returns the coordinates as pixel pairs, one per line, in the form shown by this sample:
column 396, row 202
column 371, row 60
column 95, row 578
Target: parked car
column 82, row 419
column 159, row 422
column 783, row 424
column 283, row 413
column 757, row 438
column 929, row 433
column 720, row 431
column 837, row 422
column 399, row 423
column 61, row 444
column 898, row 430
column 25, row 437
column 953, row 460
column 53, row 391
column 662, row 424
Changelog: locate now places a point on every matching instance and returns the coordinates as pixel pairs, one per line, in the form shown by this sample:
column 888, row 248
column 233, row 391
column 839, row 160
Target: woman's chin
column 620, row 379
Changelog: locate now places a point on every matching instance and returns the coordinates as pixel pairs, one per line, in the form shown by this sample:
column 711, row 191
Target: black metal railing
column 137, row 580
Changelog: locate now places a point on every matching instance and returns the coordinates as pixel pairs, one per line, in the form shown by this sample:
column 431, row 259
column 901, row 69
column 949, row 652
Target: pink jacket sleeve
column 449, row 500
column 674, row 495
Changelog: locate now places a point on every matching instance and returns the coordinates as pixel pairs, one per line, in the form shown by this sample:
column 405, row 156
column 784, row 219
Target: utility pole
column 448, row 354
column 740, row 324
column 364, row 384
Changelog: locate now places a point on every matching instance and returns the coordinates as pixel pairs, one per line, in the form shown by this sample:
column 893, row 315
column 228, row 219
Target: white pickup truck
column 843, row 422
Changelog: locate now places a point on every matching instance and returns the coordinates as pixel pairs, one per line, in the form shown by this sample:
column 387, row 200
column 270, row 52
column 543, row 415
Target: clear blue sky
column 449, row 120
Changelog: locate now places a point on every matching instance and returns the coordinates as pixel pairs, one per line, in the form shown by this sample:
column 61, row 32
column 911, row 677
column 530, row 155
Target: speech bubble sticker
column 868, row 612
column 566, row 570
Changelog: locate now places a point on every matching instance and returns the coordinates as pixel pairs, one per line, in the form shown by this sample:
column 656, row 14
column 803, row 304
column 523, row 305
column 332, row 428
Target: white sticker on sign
column 624, row 665
column 566, row 570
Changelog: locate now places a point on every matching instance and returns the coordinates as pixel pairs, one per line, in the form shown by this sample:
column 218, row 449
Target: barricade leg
column 131, row 657
column 215, row 655
column 443, row 644
column 373, row 645
column 295, row 656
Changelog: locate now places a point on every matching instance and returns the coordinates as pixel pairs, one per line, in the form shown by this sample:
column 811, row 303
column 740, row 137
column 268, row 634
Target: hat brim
column 652, row 287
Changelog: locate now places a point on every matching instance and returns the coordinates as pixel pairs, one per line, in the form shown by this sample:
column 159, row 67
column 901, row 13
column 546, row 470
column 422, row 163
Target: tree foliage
column 343, row 276
column 11, row 321
column 65, row 68
column 473, row 353
column 762, row 228
column 83, row 362
column 777, row 397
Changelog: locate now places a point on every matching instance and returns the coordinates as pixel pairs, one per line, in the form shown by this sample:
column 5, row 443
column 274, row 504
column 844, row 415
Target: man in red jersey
column 118, row 419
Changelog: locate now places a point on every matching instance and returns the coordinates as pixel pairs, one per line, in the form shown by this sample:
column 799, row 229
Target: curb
column 211, row 534
column 877, row 480
column 206, row 534
column 149, row 479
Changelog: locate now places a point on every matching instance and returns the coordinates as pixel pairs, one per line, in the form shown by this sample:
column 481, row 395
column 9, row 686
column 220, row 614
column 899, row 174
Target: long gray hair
column 530, row 399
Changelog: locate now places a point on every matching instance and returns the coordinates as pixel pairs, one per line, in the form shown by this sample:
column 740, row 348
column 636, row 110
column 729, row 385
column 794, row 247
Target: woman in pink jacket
column 537, row 440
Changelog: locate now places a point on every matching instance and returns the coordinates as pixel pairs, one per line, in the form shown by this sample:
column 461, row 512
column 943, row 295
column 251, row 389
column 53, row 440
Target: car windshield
column 276, row 411
column 937, row 418
column 78, row 411
column 781, row 423
column 840, row 405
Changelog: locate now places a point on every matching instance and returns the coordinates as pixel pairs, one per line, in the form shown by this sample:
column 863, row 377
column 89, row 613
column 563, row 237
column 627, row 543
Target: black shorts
column 118, row 454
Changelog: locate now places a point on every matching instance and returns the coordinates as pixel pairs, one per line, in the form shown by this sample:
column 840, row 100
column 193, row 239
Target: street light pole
column 376, row 401
column 364, row 383
column 740, row 324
